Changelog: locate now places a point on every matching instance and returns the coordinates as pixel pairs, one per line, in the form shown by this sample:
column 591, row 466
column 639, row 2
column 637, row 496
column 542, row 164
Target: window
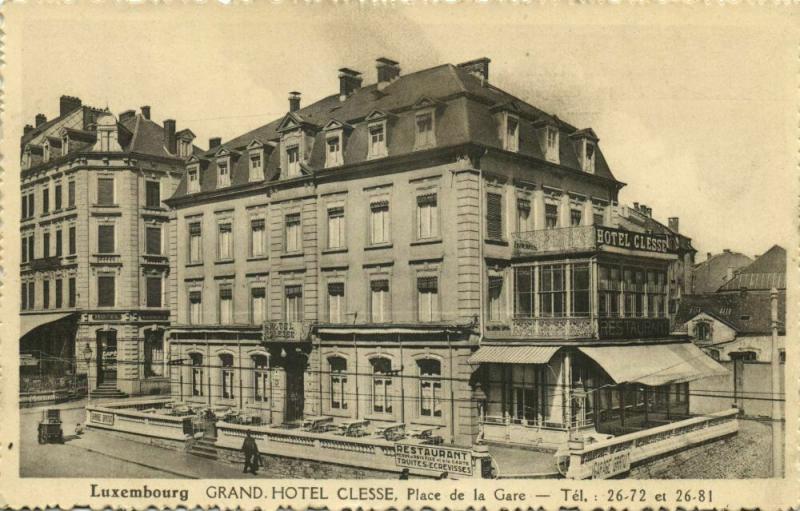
column 639, row 290
column 31, row 204
column 381, row 385
column 227, row 375
column 512, row 133
column 106, row 292
column 575, row 217
column 261, row 383
column 599, row 219
column 379, row 222
column 24, row 297
column 427, row 216
column 609, row 285
column 580, row 290
column 71, row 240
column 377, row 141
column 552, row 293
column 256, row 169
column 702, row 331
column 494, row 216
column 588, row 163
column 424, row 135
column 524, row 219
column 336, row 234
column 195, row 307
column 46, row 294
column 31, row 247
column 258, row 237
column 153, row 194
column 194, row 180
column 550, row 216
column 224, row 241
column 105, row 139
column 71, row 292
column 59, row 293
column 153, row 240
column 338, row 377
column 628, row 295
column 379, row 301
column 105, row 191
column 293, row 304
column 427, row 299
column 45, row 200
column 496, row 306
column 223, row 174
column 24, row 206
column 551, row 151
column 31, row 294
column 782, row 356
column 656, row 294
column 195, row 243
column 294, row 241
column 197, row 374
column 334, row 156
column 71, row 194
column 430, row 388
column 154, row 291
column 258, row 305
column 336, row 302
column 153, row 353
column 24, row 258
column 225, row 305
column 46, row 245
column 293, row 161
column 46, row 152
column 105, row 239
column 59, row 243
column 58, row 196
column 184, row 147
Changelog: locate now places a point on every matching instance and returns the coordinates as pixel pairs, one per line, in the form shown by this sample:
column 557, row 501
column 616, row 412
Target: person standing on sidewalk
column 251, row 454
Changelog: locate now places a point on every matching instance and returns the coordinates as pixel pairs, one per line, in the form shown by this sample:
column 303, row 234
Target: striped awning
column 655, row 364
column 30, row 322
column 513, row 354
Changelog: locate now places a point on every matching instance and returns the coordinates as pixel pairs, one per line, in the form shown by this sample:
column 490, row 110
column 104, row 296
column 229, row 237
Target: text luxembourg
column 311, row 493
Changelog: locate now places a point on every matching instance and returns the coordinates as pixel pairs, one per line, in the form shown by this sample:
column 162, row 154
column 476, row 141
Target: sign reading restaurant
column 616, row 328
column 435, row 458
column 659, row 243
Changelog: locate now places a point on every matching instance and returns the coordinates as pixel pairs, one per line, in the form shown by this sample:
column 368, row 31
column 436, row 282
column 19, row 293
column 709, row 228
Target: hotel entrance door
column 106, row 351
column 295, row 371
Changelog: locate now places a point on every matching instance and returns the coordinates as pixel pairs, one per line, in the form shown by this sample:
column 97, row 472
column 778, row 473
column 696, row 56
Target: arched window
column 261, row 378
column 702, row 331
column 338, row 376
column 381, row 385
column 430, row 387
column 714, row 354
column 153, row 353
column 227, row 375
column 197, row 374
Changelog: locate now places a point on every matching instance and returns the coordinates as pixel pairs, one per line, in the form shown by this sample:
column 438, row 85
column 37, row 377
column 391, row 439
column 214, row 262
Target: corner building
column 427, row 249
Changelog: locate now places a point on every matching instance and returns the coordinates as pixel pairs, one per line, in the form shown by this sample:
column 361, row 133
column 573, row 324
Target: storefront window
column 525, row 399
column 430, row 388
column 338, row 375
column 197, row 374
column 153, row 353
column 261, row 378
column 227, row 376
column 608, row 291
column 381, row 385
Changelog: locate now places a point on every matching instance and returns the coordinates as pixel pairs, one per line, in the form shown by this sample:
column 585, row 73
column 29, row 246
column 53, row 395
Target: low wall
column 753, row 398
column 651, row 443
column 125, row 416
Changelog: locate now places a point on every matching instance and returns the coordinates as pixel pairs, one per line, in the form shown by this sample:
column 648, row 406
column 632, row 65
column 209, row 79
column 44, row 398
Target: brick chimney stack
column 146, row 111
column 214, row 142
column 27, row 129
column 674, row 223
column 349, row 82
column 388, row 71
column 294, row 101
column 170, row 142
column 478, row 67
column 67, row 104
column 40, row 119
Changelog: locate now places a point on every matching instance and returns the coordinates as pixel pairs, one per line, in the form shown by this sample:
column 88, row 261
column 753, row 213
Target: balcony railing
column 565, row 239
column 46, row 263
column 546, row 328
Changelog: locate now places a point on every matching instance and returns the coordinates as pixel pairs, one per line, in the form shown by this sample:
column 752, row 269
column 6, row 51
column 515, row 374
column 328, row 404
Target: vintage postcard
column 384, row 255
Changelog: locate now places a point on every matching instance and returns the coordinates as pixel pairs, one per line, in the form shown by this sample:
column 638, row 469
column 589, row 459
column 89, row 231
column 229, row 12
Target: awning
column 513, row 354
column 30, row 321
column 655, row 364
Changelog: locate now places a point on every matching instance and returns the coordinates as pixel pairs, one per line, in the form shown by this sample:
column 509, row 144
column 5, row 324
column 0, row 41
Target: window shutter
column 105, row 239
column 336, row 289
column 428, row 284
column 105, row 191
column 294, row 291
column 154, row 291
column 426, row 200
column 379, row 285
column 494, row 216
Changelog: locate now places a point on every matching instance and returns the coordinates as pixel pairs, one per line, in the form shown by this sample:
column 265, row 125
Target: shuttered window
column 154, row 291
column 46, row 294
column 105, row 191
column 71, row 241
column 105, row 239
column 105, row 290
column 153, row 194
column 71, row 194
column 71, row 291
column 154, row 240
column 427, row 299
column 58, row 197
column 59, row 293
column 59, row 243
column 494, row 216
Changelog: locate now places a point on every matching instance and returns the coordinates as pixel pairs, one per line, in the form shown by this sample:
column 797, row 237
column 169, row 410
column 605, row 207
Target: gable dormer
column 377, row 134
column 297, row 142
column 585, row 141
column 425, row 111
column 46, row 151
column 185, row 138
column 225, row 158
column 107, row 136
column 64, row 134
column 26, row 158
column 336, row 133
column 506, row 117
column 193, row 165
column 547, row 132
column 257, row 152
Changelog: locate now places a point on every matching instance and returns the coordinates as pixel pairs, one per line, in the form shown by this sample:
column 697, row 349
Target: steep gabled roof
column 766, row 272
column 748, row 313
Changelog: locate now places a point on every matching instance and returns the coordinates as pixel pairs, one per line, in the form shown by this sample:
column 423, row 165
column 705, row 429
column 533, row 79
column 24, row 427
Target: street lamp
column 87, row 357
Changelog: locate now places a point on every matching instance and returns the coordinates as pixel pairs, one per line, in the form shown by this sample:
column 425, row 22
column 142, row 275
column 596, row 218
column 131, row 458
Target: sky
column 695, row 108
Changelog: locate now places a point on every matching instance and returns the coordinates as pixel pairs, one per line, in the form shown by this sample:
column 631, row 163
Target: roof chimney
column 170, row 142
column 388, row 71
column 728, row 273
column 708, row 256
column 214, row 142
column 146, row 112
column 349, row 82
column 67, row 104
column 674, row 223
column 40, row 119
column 294, row 101
column 636, row 206
column 478, row 67
column 28, row 128
column 127, row 114
column 726, row 250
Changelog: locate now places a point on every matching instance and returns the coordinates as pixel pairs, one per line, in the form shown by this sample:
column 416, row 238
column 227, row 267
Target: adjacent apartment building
column 93, row 262
column 429, row 250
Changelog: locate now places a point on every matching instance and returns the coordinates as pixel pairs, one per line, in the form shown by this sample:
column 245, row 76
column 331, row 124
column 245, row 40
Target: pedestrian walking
column 251, row 454
column 404, row 474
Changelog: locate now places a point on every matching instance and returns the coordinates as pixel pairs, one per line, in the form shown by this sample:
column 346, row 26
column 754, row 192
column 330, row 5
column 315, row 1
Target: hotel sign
column 434, row 458
column 107, row 419
column 611, row 464
column 616, row 328
column 286, row 330
column 617, row 238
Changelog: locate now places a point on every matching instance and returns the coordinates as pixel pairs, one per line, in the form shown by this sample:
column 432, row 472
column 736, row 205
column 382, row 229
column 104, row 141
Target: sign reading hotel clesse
column 101, row 418
column 611, row 464
column 286, row 330
column 658, row 243
column 433, row 457
column 617, row 328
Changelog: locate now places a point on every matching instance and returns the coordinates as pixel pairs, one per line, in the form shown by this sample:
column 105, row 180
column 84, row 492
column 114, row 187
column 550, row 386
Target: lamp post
column 87, row 357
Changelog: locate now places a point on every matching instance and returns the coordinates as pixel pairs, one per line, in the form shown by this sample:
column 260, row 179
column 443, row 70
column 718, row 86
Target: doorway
column 106, row 351
column 295, row 378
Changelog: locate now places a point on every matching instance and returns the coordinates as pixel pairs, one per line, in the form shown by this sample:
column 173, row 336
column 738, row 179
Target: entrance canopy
column 29, row 322
column 655, row 364
column 513, row 354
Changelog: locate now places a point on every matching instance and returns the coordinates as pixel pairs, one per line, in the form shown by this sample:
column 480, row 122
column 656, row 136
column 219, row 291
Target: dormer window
column 46, row 152
column 589, row 156
column 26, row 158
column 193, row 180
column 256, row 167
column 65, row 144
column 105, row 140
column 377, row 140
column 293, row 161
column 551, row 147
column 223, row 174
column 425, row 133
column 184, row 148
column 333, row 154
column 511, row 142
